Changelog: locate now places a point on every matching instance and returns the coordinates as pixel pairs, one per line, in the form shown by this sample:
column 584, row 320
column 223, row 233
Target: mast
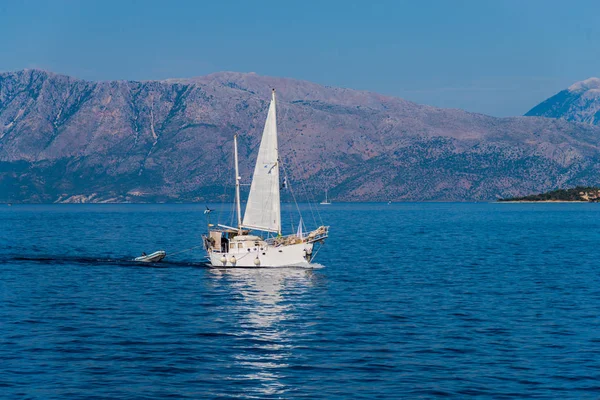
column 276, row 163
column 237, row 186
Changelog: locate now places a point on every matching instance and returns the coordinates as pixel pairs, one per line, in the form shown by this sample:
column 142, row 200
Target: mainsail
column 263, row 210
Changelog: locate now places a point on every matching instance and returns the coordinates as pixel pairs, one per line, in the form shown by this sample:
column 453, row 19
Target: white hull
column 269, row 256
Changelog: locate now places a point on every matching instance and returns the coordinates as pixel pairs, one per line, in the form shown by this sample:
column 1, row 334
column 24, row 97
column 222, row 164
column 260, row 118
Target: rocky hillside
column 579, row 103
column 68, row 140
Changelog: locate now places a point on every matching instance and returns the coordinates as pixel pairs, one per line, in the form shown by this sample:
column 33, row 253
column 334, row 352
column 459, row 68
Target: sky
column 497, row 57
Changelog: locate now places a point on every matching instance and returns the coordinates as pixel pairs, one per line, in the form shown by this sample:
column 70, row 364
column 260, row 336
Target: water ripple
column 427, row 301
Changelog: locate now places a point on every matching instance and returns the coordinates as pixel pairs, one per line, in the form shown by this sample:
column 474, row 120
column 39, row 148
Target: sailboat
column 228, row 246
column 326, row 201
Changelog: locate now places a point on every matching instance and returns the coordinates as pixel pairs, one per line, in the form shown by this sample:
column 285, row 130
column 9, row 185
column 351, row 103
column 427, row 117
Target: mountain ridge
column 580, row 102
column 64, row 139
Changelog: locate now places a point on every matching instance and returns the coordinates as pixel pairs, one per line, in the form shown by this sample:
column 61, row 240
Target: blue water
column 411, row 301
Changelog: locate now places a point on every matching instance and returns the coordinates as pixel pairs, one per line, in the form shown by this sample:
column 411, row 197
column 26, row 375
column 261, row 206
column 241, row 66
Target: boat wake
column 83, row 260
column 128, row 262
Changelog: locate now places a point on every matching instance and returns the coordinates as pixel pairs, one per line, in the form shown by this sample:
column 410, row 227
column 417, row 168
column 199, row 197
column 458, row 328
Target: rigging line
column 183, row 251
column 291, row 190
column 222, row 167
column 312, row 203
column 288, row 187
column 232, row 210
column 316, row 252
column 291, row 218
column 222, row 199
column 293, row 156
column 285, row 175
column 294, row 228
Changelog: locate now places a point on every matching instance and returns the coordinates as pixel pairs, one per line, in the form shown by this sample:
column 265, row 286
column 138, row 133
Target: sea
column 405, row 300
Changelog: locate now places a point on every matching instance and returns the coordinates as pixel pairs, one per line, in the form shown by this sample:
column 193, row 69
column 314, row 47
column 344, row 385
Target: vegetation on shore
column 579, row 193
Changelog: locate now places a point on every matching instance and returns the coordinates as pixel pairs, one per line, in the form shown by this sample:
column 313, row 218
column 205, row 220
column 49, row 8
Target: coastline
column 544, row 201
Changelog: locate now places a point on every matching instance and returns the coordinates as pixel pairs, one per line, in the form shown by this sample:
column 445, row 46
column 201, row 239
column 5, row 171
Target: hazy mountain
column 65, row 139
column 579, row 103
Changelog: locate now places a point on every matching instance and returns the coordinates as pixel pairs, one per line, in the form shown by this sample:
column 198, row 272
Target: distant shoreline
column 543, row 201
column 578, row 194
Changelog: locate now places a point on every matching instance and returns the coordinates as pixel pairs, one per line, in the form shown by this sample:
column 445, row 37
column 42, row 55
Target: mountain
column 579, row 103
column 64, row 139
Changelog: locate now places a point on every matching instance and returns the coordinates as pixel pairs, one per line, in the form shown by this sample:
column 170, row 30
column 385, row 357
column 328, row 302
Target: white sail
column 263, row 210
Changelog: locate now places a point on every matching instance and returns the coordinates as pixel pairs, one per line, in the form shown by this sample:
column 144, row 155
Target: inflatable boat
column 157, row 256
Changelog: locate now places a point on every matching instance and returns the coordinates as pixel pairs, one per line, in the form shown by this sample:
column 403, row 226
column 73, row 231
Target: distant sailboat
column 234, row 246
column 326, row 201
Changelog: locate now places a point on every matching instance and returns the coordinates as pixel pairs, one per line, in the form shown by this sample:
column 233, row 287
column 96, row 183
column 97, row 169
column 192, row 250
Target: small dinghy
column 157, row 256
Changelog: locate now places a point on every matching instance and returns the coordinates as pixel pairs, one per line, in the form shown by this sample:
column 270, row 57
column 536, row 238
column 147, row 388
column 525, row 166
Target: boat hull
column 268, row 257
column 157, row 256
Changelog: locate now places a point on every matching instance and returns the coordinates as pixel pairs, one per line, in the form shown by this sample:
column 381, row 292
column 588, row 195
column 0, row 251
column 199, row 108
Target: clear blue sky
column 496, row 57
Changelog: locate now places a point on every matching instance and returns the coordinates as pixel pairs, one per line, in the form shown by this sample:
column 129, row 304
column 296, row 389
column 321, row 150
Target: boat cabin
column 228, row 240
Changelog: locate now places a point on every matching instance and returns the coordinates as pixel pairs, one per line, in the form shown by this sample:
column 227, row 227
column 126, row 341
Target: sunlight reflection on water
column 262, row 314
